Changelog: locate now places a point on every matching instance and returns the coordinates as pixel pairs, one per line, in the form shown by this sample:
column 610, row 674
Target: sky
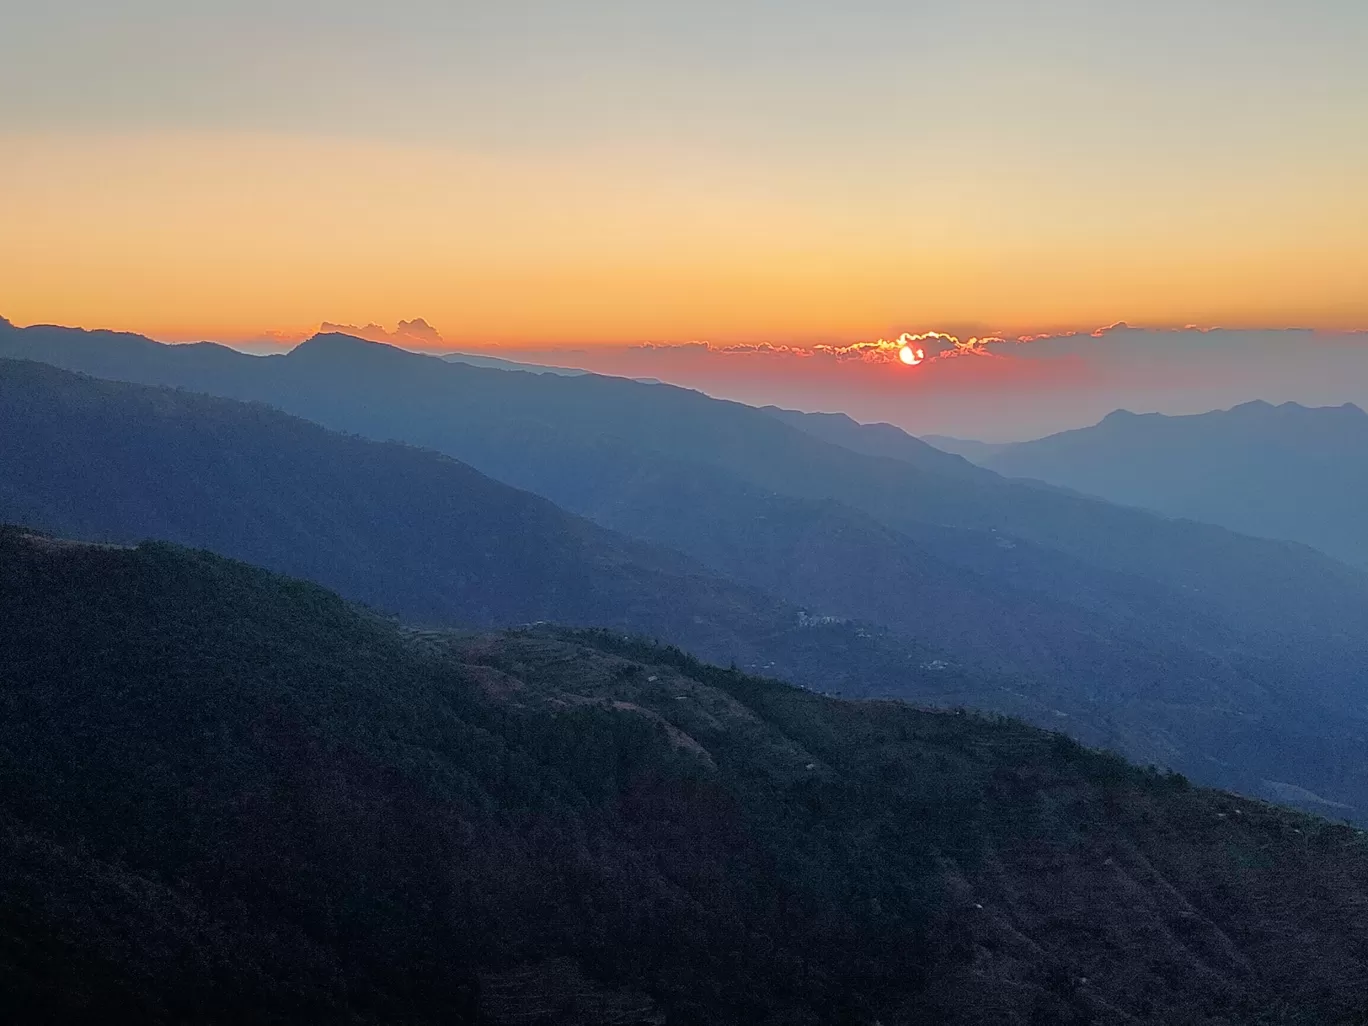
column 540, row 175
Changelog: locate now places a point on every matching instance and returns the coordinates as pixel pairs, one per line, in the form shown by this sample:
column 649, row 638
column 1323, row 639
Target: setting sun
column 911, row 356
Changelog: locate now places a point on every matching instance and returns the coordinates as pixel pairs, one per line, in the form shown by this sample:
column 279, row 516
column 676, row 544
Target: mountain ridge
column 405, row 530
column 1283, row 471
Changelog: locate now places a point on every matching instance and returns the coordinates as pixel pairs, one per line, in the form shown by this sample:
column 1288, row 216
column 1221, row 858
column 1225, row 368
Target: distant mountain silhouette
column 1288, row 471
column 405, row 530
column 555, row 436
column 971, row 450
column 230, row 797
column 1179, row 643
column 878, row 440
column 478, row 360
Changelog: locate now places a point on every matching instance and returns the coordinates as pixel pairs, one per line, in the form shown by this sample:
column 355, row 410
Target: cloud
column 416, row 332
column 934, row 343
column 1118, row 344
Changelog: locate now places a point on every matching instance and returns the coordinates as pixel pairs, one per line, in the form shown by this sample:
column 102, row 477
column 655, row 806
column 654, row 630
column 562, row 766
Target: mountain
column 230, row 796
column 405, row 530
column 410, row 531
column 970, row 449
column 513, row 365
column 1238, row 660
column 1286, row 471
column 559, row 436
column 879, row 440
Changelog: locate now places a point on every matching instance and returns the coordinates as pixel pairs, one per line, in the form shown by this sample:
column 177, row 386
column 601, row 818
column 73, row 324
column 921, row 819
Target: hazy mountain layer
column 1275, row 471
column 878, row 440
column 1178, row 643
column 405, row 530
column 554, row 434
column 969, row 448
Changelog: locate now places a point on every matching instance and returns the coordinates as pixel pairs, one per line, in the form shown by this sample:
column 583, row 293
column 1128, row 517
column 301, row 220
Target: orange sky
column 202, row 236
column 730, row 172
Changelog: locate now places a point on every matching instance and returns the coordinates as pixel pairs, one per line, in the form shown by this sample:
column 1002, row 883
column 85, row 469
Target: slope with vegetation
column 230, row 796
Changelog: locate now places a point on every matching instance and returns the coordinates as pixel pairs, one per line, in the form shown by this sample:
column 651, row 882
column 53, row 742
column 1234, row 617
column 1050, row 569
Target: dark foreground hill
column 228, row 796
column 1284, row 471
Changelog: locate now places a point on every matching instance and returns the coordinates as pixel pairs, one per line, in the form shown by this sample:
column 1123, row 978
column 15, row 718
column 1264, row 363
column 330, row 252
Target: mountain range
column 1286, row 471
column 1237, row 660
column 407, row 531
column 227, row 795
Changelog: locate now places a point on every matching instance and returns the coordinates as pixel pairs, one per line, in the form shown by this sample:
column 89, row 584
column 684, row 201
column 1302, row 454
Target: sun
column 911, row 356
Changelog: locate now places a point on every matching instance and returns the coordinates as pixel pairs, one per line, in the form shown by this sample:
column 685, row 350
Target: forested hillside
column 230, row 796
